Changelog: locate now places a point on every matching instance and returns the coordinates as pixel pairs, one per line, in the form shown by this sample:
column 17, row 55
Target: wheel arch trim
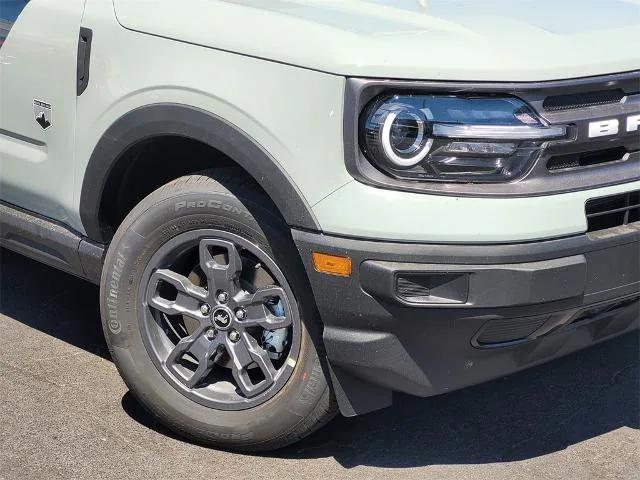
column 170, row 119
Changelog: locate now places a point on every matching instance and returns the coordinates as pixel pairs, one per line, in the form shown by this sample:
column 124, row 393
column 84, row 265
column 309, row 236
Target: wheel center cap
column 221, row 319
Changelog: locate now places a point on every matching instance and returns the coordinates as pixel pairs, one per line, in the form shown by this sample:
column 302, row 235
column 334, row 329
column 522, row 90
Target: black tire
column 230, row 203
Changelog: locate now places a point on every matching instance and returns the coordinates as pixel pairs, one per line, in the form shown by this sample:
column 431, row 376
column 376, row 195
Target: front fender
column 168, row 119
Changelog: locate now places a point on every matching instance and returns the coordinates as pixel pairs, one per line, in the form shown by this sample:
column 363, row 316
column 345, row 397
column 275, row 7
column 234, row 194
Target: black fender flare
column 166, row 119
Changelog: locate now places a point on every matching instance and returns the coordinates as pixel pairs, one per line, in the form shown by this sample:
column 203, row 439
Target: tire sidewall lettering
column 113, row 291
column 186, row 205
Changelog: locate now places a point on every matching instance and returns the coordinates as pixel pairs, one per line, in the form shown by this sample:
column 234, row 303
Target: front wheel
column 209, row 319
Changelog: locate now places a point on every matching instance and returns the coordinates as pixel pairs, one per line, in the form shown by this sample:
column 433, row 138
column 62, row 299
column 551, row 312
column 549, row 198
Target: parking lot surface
column 65, row 413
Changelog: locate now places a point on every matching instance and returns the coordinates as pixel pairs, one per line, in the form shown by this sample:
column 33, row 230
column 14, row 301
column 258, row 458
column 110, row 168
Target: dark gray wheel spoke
column 189, row 296
column 244, row 353
column 204, row 351
column 258, row 314
column 219, row 275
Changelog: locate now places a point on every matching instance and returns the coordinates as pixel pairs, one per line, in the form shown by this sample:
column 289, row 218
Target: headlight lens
column 405, row 137
column 453, row 138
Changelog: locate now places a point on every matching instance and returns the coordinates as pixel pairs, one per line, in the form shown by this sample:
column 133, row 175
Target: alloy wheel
column 219, row 319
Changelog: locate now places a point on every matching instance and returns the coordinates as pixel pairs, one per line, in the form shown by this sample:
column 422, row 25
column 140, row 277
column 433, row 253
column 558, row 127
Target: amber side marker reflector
column 331, row 264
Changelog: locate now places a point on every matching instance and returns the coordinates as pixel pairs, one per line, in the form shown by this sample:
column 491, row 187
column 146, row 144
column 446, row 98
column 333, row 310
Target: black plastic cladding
column 377, row 342
column 539, row 180
column 180, row 120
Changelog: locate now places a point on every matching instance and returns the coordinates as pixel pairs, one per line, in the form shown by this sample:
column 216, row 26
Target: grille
column 582, row 100
column 413, row 288
column 596, row 311
column 586, row 159
column 613, row 211
column 433, row 287
column 509, row 330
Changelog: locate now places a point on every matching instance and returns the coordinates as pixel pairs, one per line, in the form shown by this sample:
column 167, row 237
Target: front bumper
column 428, row 319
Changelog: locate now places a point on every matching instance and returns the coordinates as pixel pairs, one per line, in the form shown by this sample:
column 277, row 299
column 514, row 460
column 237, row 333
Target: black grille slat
column 587, row 159
column 582, row 100
column 616, row 210
column 613, row 211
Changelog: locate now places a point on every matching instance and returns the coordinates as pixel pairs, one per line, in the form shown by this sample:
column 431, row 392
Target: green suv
column 300, row 207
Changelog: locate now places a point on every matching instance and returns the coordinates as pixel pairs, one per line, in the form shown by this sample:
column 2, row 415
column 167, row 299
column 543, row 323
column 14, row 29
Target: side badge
column 43, row 114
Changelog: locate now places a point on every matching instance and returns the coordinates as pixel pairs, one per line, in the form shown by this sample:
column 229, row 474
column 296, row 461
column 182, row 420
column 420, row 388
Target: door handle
column 84, row 58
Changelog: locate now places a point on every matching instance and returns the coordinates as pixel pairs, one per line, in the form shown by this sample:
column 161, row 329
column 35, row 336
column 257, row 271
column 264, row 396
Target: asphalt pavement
column 65, row 413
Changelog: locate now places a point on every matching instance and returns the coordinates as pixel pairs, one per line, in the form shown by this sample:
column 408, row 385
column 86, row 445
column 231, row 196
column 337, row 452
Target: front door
column 38, row 88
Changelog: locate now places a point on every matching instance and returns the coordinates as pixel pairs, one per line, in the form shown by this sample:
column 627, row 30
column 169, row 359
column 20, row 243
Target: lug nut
column 223, row 297
column 234, row 336
column 210, row 334
column 241, row 313
column 205, row 309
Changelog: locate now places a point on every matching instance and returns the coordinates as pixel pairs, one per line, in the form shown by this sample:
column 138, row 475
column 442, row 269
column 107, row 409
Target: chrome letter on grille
column 633, row 123
column 603, row 127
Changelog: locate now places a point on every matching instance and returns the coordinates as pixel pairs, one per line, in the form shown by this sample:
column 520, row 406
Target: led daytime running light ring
column 390, row 152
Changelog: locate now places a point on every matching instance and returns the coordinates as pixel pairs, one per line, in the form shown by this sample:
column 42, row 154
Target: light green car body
column 277, row 70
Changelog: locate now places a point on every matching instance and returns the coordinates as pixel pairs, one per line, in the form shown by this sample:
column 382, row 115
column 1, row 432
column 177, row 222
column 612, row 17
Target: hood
column 492, row 40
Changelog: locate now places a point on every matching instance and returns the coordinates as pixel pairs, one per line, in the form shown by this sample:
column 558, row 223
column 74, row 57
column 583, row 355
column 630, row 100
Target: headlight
column 453, row 138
